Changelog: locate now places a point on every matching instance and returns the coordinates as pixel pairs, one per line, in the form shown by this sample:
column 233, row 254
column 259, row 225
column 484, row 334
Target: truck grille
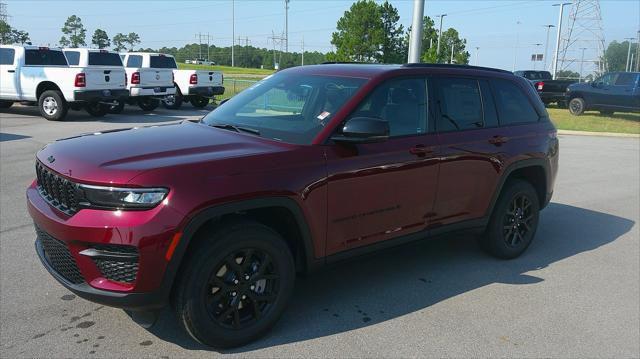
column 58, row 191
column 59, row 258
column 119, row 270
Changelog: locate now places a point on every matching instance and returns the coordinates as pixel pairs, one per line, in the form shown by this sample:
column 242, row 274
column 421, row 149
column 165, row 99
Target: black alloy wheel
column 517, row 220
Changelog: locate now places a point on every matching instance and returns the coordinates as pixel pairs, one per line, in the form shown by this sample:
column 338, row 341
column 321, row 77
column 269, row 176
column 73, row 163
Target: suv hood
column 116, row 156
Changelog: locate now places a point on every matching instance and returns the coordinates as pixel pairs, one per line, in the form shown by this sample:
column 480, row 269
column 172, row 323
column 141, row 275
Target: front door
column 8, row 86
column 379, row 191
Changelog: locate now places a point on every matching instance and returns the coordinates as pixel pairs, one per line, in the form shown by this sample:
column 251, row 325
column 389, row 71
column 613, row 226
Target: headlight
column 123, row 198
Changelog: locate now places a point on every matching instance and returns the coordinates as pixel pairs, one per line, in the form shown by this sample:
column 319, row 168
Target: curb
column 597, row 134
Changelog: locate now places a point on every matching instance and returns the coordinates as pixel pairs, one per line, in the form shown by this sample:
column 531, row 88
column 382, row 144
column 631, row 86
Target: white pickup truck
column 41, row 75
column 150, row 79
column 104, row 66
column 195, row 86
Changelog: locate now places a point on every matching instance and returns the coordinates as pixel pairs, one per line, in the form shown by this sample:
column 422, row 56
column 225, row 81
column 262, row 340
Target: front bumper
column 100, row 95
column 207, row 91
column 155, row 91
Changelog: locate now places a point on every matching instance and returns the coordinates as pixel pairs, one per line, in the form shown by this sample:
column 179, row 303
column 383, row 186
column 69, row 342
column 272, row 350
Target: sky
column 505, row 31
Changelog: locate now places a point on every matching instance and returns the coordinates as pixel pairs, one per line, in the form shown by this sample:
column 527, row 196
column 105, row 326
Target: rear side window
column 163, row 62
column 134, row 61
column 460, row 104
column 6, row 56
column 43, row 57
column 104, row 59
column 73, row 57
column 513, row 105
column 626, row 79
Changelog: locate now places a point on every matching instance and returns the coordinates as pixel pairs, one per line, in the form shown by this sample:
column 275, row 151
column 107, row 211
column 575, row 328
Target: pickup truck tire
column 148, row 103
column 576, row 106
column 513, row 222
column 117, row 107
column 52, row 105
column 235, row 285
column 199, row 101
column 97, row 109
column 173, row 102
column 6, row 104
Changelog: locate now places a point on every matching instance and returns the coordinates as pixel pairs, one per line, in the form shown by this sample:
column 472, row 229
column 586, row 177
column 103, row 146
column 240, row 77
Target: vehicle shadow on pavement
column 409, row 278
column 131, row 114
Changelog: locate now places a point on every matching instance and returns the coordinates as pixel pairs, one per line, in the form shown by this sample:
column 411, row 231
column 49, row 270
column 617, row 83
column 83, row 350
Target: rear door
column 159, row 72
column 8, row 76
column 623, row 91
column 104, row 71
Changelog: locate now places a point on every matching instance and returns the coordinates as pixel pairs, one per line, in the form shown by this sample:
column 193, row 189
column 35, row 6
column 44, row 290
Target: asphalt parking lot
column 574, row 293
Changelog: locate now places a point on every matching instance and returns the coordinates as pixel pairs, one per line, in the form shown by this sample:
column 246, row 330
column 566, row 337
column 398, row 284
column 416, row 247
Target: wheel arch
column 45, row 86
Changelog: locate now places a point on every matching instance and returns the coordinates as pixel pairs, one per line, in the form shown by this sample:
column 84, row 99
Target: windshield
column 287, row 107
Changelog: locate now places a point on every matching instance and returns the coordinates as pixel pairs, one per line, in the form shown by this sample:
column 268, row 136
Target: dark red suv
column 309, row 166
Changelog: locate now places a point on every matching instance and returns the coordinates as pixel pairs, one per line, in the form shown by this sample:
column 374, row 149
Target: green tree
column 616, row 55
column 450, row 38
column 567, row 74
column 132, row 39
column 6, row 35
column 391, row 48
column 120, row 42
column 20, row 37
column 74, row 32
column 100, row 39
column 359, row 33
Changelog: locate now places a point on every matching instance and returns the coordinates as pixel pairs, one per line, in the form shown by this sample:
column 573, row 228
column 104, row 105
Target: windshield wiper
column 228, row 126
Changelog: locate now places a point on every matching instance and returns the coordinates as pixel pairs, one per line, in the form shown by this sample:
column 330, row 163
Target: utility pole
column 452, row 47
column 477, row 55
column 628, row 65
column 199, row 36
column 439, row 35
column 559, row 28
column 546, row 45
column 535, row 55
column 286, row 25
column 415, row 40
column 581, row 62
column 302, row 50
column 208, row 46
column 515, row 47
column 233, row 31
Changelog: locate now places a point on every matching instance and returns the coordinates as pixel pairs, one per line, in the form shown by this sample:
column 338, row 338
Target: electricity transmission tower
column 3, row 12
column 277, row 41
column 583, row 31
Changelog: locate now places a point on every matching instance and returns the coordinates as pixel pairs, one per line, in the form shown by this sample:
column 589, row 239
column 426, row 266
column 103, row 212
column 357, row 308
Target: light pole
column 581, row 63
column 477, row 55
column 233, row 31
column 555, row 56
column 452, row 47
column 628, row 66
column 535, row 54
column 286, row 25
column 515, row 48
column 439, row 36
column 546, row 45
column 415, row 41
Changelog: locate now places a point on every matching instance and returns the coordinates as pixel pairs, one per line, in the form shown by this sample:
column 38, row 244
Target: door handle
column 11, row 70
column 420, row 150
column 498, row 140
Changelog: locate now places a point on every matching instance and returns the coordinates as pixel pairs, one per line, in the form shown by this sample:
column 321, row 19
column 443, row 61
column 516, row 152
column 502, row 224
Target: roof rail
column 455, row 66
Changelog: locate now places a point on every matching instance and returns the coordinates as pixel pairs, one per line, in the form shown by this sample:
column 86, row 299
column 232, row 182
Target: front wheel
column 52, row 105
column 199, row 101
column 513, row 222
column 236, row 285
column 148, row 103
column 96, row 109
column 576, row 106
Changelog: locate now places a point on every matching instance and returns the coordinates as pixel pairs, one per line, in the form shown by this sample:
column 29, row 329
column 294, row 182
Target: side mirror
column 363, row 130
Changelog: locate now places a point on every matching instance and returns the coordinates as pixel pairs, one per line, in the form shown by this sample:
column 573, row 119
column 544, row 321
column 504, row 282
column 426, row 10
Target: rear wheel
column 576, row 106
column 52, row 105
column 96, row 109
column 236, row 285
column 117, row 107
column 513, row 222
column 5, row 104
column 199, row 101
column 148, row 103
column 173, row 102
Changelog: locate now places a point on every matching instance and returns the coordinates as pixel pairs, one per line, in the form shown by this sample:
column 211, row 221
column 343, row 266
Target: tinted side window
column 6, row 56
column 104, row 59
column 626, row 79
column 42, row 57
column 401, row 102
column 162, row 62
column 134, row 61
column 606, row 79
column 513, row 105
column 460, row 104
column 73, row 57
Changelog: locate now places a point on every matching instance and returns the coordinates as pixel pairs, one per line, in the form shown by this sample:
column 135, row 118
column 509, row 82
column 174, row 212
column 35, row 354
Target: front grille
column 58, row 191
column 119, row 270
column 59, row 258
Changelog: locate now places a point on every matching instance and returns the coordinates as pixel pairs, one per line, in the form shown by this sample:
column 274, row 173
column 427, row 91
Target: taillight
column 193, row 80
column 539, row 85
column 135, row 78
column 81, row 80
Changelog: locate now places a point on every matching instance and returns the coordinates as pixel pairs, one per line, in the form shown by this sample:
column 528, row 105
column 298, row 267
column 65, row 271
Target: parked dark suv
column 307, row 167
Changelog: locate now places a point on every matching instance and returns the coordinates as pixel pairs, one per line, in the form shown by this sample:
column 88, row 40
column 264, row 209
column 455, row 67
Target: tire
column 517, row 209
column 5, row 104
column 209, row 275
column 562, row 104
column 199, row 101
column 117, row 107
column 96, row 109
column 148, row 103
column 576, row 106
column 173, row 102
column 52, row 105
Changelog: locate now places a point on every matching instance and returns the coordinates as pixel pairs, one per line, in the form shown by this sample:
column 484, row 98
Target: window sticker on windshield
column 323, row 115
